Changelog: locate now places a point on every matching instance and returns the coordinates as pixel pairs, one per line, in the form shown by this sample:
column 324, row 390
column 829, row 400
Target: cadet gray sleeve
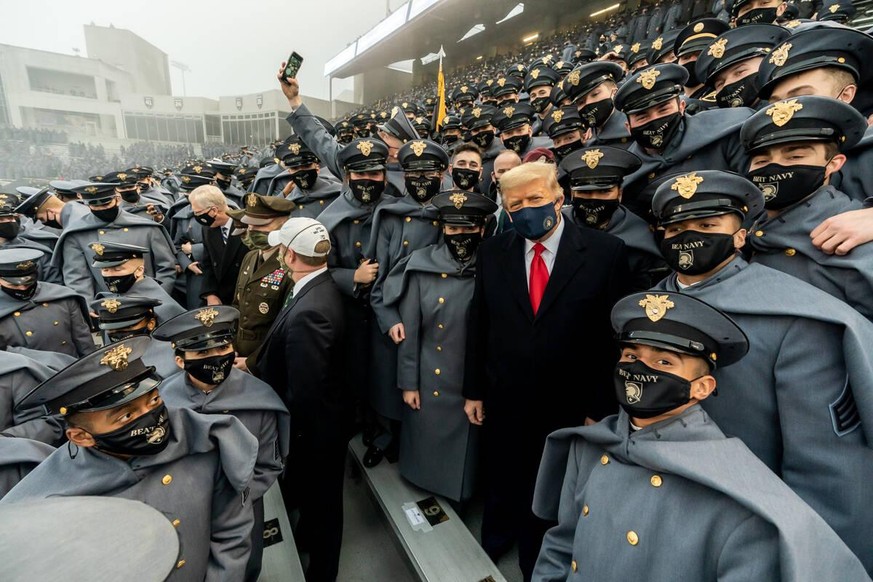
column 556, row 553
column 230, row 538
column 750, row 553
column 269, row 464
column 79, row 329
column 409, row 350
column 163, row 258
column 387, row 317
column 76, row 272
column 316, row 137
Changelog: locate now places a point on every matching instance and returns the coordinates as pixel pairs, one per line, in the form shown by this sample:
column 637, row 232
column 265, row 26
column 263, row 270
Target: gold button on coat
column 176, row 522
column 656, row 481
column 167, row 479
column 180, row 563
column 604, row 460
column 790, row 252
column 17, row 314
column 437, row 371
column 439, row 348
column 358, row 243
column 444, row 275
column 406, row 243
column 28, row 333
column 585, row 510
column 573, row 565
column 408, row 219
column 442, row 300
column 759, row 233
column 436, row 392
column 632, row 538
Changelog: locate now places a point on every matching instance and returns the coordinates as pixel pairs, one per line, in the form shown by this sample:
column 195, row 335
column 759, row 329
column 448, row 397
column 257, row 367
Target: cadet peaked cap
column 200, row 329
column 706, row 193
column 461, row 208
column 649, row 87
column 421, row 155
column 363, row 155
column 116, row 311
column 598, row 168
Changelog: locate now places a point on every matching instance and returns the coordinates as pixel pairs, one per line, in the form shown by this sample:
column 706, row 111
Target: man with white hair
column 223, row 251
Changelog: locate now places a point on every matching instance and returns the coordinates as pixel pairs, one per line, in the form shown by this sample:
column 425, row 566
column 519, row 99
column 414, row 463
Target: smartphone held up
column 292, row 66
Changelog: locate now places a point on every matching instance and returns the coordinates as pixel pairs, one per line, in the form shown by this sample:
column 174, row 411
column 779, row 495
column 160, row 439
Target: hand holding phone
column 292, row 66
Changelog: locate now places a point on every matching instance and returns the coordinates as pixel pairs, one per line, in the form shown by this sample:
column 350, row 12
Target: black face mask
column 484, row 139
column 691, row 67
column 120, row 284
column 783, row 186
column 657, row 133
column 594, row 213
column 118, row 336
column 595, row 114
column 462, row 246
column 21, row 294
column 694, row 253
column 565, row 150
column 645, row 393
column 305, row 179
column 758, row 16
column 204, row 218
column 450, row 139
column 539, row 104
column 107, row 214
column 743, row 93
column 212, row 371
column 52, row 223
column 367, row 191
column 517, row 143
column 10, row 230
column 423, row 189
column 465, row 178
column 147, row 435
column 131, row 196
column 223, row 183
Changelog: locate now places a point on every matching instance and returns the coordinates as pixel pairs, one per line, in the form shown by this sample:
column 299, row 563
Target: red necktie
column 539, row 277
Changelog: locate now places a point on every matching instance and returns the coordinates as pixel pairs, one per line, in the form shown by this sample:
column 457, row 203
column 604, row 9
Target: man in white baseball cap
column 303, row 360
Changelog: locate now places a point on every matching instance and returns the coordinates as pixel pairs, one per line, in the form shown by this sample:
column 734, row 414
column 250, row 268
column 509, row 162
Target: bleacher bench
column 443, row 551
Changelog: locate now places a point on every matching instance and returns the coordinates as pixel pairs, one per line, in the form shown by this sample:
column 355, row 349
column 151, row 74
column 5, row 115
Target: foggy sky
column 232, row 48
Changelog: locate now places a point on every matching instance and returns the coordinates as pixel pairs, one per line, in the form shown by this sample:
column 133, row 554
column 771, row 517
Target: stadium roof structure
column 420, row 27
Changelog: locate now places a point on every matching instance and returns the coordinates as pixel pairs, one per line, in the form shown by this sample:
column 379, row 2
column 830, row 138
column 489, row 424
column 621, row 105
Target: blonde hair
column 209, row 195
column 531, row 172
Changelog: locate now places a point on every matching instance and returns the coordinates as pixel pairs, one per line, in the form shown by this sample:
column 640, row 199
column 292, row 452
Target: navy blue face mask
column 534, row 222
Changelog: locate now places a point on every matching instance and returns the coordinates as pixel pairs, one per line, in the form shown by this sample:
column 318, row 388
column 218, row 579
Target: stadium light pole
column 183, row 68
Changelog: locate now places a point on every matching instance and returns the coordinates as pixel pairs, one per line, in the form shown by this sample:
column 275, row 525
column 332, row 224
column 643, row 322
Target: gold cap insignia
column 792, row 24
column 658, row 43
column 592, row 158
column 780, row 55
column 185, row 179
column 783, row 111
column 405, row 105
column 394, row 110
column 558, row 115
column 458, row 199
column 26, row 265
column 116, row 358
column 686, row 185
column 110, row 305
column 489, row 82
column 501, row 81
column 698, row 27
column 635, row 47
column 559, row 64
column 418, row 148
column 365, row 147
column 98, row 248
column 547, row 59
column 508, row 111
column 574, row 77
column 716, row 49
column 252, row 199
column 91, row 189
column 464, row 88
column 122, row 176
column 656, row 306
column 647, row 78
column 476, row 112
column 833, row 8
column 206, row 316
column 535, row 73
column 519, row 67
column 294, row 148
column 197, row 169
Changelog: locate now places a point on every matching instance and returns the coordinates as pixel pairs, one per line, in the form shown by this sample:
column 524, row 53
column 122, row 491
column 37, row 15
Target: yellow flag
column 440, row 109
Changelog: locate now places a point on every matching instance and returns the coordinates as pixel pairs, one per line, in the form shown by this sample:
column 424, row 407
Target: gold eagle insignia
column 206, row 316
column 197, row 169
column 501, row 81
column 464, row 88
column 647, row 78
column 635, row 47
column 534, row 74
column 782, row 111
column 686, row 185
column 418, row 148
column 25, row 266
column 592, row 158
column 508, row 111
column 98, row 248
column 574, row 77
column 294, row 148
column 779, row 56
column 558, row 115
column 658, row 43
column 458, row 199
column 116, row 358
column 365, row 147
column 110, row 305
column 477, row 111
column 91, row 189
column 716, row 49
column 656, row 306
column 122, row 176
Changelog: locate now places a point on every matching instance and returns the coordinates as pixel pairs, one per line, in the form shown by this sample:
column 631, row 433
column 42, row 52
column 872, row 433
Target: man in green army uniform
column 263, row 281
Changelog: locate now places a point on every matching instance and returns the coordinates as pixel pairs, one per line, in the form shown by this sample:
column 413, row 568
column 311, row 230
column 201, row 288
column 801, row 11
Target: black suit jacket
column 539, row 373
column 221, row 263
column 303, row 360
